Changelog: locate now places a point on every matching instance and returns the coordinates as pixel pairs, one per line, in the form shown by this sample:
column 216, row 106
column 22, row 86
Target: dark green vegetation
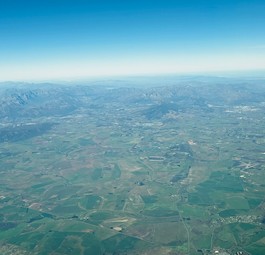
column 101, row 170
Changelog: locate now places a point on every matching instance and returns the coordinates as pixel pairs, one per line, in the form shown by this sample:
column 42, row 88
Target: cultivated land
column 133, row 171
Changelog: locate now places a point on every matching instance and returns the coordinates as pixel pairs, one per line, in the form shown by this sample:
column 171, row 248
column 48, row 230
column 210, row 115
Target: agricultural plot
column 117, row 181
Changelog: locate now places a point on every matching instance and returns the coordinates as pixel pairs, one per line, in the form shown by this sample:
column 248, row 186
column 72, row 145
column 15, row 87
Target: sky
column 64, row 39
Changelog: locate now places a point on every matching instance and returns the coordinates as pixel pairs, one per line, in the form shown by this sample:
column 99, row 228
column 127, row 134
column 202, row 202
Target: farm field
column 134, row 178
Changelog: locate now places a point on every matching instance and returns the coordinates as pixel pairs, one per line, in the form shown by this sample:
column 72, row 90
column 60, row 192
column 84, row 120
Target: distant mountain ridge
column 34, row 100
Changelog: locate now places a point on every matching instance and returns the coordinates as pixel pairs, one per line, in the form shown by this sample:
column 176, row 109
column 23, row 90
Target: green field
column 112, row 181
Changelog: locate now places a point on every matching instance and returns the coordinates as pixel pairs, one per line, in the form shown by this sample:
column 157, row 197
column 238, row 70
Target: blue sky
column 63, row 39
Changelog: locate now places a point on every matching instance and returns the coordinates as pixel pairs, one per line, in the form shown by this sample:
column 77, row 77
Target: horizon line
column 255, row 73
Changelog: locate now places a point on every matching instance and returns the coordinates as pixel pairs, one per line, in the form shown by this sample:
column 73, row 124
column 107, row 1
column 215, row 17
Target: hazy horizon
column 51, row 40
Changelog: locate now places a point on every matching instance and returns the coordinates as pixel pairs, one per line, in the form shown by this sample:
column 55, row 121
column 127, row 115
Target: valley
column 165, row 170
